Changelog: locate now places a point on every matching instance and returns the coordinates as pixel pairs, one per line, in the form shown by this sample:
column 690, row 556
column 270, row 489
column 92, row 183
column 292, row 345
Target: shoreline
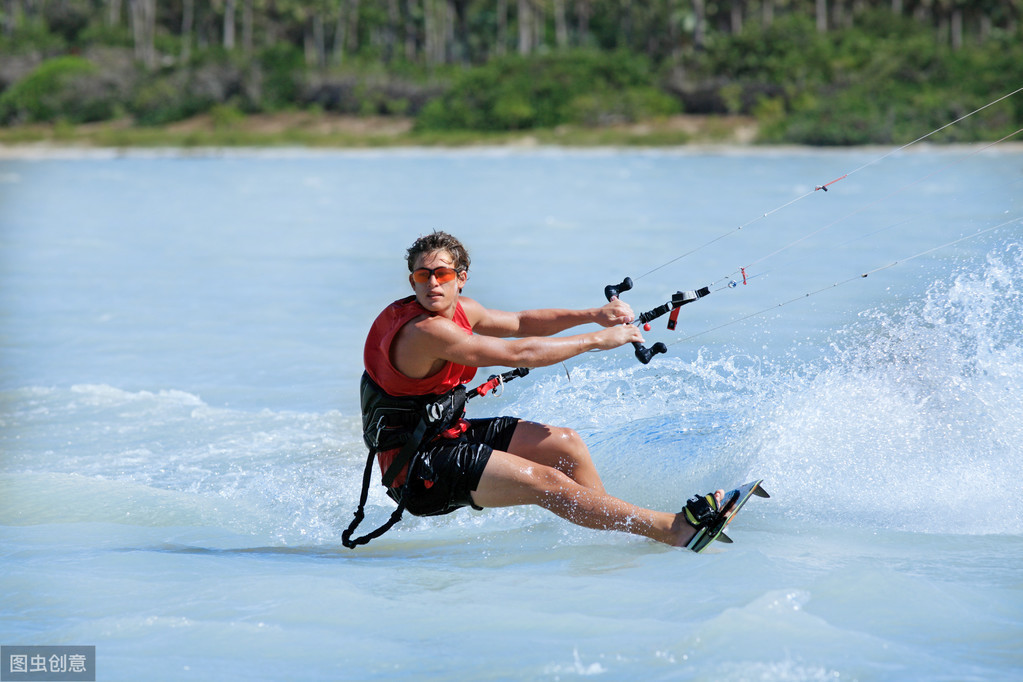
column 296, row 134
column 317, row 130
column 70, row 152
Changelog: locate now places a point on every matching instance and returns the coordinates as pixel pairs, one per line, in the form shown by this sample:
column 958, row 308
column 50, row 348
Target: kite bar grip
column 643, row 354
column 613, row 290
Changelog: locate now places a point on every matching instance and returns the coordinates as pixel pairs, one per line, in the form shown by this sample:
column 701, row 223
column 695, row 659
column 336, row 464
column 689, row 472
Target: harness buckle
column 379, row 426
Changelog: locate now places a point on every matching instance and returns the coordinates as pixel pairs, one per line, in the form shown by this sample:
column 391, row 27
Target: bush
column 366, row 95
column 226, row 116
column 628, row 106
column 886, row 81
column 65, row 87
column 181, row 94
column 161, row 101
column 281, row 67
column 842, row 119
column 736, row 72
column 789, row 52
column 170, row 98
column 513, row 93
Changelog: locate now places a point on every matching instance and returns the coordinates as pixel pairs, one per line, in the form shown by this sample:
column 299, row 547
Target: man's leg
column 557, row 447
column 510, row 480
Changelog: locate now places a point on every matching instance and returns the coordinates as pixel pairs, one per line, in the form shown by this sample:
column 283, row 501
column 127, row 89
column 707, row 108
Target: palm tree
column 143, row 25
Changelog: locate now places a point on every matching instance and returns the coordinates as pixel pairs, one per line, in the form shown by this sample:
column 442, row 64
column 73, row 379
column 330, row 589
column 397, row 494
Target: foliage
column 787, row 51
column 67, row 19
column 179, row 94
column 877, row 76
column 29, row 36
column 366, row 93
column 65, row 87
column 280, row 65
column 162, row 101
column 515, row 92
column 607, row 107
column 881, row 82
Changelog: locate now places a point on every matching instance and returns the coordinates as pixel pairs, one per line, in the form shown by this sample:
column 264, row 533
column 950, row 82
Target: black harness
column 390, row 422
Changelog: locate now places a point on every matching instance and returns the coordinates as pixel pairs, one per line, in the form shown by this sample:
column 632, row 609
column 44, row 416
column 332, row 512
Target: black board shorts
column 445, row 471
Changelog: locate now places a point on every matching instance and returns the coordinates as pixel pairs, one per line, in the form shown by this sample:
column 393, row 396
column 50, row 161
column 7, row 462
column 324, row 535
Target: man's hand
column 616, row 336
column 615, row 312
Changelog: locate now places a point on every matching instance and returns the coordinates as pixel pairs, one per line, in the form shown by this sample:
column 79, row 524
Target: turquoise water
column 180, row 446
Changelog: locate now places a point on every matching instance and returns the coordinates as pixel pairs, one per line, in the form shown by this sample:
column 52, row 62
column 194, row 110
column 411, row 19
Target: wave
column 96, row 453
column 909, row 419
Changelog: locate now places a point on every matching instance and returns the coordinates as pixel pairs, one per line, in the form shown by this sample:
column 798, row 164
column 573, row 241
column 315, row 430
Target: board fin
column 724, row 538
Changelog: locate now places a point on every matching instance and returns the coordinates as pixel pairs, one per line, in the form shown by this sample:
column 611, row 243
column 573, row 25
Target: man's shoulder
column 472, row 309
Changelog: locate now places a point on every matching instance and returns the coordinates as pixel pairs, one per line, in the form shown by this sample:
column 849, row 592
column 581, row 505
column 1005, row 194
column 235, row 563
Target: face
column 435, row 296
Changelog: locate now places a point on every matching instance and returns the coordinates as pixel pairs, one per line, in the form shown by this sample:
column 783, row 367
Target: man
column 422, row 349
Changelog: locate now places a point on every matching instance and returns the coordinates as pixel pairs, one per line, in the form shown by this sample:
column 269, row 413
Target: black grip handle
column 612, row 290
column 643, row 354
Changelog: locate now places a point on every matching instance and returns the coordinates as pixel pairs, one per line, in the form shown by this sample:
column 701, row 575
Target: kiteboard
column 732, row 502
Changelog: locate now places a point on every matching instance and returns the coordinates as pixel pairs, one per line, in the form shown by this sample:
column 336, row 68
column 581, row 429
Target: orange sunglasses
column 443, row 275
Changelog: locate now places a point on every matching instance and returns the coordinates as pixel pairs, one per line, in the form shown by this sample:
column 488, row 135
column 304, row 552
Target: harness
column 390, row 422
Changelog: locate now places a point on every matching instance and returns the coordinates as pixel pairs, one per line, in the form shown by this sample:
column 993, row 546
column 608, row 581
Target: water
column 180, row 446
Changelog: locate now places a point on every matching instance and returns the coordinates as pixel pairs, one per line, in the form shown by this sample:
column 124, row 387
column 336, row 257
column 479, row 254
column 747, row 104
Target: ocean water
column 180, row 449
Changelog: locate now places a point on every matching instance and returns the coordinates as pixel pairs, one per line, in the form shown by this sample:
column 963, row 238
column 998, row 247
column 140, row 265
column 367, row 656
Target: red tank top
column 377, row 359
column 377, row 354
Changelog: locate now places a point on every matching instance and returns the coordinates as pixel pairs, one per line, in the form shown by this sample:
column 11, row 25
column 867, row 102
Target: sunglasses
column 443, row 275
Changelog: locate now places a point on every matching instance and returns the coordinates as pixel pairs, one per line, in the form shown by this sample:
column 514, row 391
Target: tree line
column 810, row 71
column 435, row 32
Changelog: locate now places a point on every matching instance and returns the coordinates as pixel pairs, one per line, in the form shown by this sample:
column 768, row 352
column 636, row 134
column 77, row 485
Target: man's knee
column 569, row 441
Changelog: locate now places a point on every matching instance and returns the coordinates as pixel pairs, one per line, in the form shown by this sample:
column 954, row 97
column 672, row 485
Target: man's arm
column 542, row 322
column 422, row 344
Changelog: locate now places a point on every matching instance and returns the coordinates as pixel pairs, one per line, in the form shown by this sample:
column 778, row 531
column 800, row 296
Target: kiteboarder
column 420, row 352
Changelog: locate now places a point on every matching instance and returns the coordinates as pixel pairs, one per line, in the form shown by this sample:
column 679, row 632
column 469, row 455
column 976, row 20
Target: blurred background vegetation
column 821, row 72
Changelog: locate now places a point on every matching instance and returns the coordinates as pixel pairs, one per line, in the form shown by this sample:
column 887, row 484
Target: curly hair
column 438, row 241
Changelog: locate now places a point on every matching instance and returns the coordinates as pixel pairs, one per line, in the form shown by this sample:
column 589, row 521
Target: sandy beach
column 329, row 131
